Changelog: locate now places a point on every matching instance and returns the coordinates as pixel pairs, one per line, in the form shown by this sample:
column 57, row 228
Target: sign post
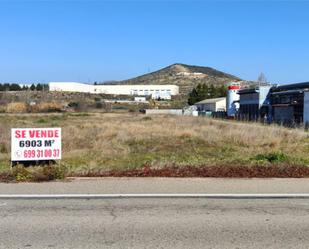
column 35, row 144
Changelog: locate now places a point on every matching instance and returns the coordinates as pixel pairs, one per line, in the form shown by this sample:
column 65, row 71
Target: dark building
column 284, row 104
column 289, row 103
column 254, row 103
column 296, row 86
column 288, row 106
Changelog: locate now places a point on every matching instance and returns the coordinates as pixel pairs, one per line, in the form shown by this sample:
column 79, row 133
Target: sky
column 88, row 41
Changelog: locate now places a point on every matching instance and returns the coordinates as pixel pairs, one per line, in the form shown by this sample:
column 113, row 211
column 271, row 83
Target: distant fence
column 164, row 111
column 268, row 119
column 220, row 114
column 209, row 114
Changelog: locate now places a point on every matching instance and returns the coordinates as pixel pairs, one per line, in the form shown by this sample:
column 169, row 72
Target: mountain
column 184, row 76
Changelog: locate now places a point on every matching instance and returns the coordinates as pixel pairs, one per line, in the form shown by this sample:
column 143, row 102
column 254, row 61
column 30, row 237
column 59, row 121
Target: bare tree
column 262, row 79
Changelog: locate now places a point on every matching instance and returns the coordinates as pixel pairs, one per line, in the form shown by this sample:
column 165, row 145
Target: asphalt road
column 154, row 223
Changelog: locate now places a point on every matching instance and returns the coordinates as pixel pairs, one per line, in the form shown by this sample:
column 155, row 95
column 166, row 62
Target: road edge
column 153, row 196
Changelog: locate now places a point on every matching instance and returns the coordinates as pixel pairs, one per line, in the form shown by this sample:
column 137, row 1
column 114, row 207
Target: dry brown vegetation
column 98, row 143
column 22, row 107
column 47, row 107
column 16, row 107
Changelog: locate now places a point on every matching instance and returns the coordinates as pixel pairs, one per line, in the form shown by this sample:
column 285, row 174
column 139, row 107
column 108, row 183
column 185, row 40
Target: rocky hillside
column 184, row 76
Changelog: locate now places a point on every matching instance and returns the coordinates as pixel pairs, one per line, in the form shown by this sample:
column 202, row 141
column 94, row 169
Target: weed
column 147, row 118
column 83, row 114
column 20, row 173
column 16, row 107
column 42, row 121
column 47, row 107
column 3, row 148
column 60, row 117
column 275, row 157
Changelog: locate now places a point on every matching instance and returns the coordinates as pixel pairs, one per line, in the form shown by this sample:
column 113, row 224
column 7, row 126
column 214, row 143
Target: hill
column 184, row 76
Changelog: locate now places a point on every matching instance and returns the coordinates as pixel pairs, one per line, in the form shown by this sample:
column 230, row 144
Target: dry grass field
column 97, row 143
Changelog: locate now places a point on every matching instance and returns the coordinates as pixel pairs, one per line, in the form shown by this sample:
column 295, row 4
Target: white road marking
column 126, row 196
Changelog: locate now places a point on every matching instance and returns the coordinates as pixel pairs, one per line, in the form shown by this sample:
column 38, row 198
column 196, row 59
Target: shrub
column 275, row 157
column 73, row 105
column 16, row 107
column 21, row 174
column 48, row 173
column 99, row 105
column 48, row 107
column 147, row 118
column 37, row 174
column 3, row 148
column 41, row 121
column 78, row 106
column 2, row 109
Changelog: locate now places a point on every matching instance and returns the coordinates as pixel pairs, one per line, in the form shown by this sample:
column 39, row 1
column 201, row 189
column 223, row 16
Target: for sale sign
column 33, row 144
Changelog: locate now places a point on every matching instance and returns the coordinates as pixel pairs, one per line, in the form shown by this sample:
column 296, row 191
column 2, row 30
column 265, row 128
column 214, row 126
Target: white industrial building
column 211, row 105
column 156, row 91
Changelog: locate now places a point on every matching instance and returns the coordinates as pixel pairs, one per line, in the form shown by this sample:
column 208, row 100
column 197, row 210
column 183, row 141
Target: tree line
column 17, row 87
column 204, row 91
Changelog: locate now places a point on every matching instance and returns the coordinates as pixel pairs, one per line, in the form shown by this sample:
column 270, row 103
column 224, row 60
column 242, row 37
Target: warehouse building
column 288, row 106
column 254, row 103
column 212, row 105
column 290, row 103
column 155, row 91
column 306, row 109
column 283, row 104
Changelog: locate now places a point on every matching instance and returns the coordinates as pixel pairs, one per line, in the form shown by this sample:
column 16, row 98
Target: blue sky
column 87, row 41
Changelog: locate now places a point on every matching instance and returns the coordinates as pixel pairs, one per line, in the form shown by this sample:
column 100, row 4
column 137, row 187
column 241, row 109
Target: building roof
column 247, row 90
column 295, row 86
column 210, row 101
column 255, row 89
column 287, row 92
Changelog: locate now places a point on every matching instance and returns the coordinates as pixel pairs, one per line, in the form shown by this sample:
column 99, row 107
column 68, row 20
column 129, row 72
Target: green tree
column 193, row 97
column 25, row 88
column 39, row 87
column 212, row 91
column 6, row 87
column 45, row 87
column 32, row 87
column 15, row 87
column 222, row 91
column 203, row 91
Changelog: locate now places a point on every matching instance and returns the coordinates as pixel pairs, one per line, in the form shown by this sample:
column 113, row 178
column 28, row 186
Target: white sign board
column 33, row 144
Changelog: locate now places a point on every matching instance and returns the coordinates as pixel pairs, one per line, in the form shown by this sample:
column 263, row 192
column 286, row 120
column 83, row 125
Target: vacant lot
column 94, row 144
